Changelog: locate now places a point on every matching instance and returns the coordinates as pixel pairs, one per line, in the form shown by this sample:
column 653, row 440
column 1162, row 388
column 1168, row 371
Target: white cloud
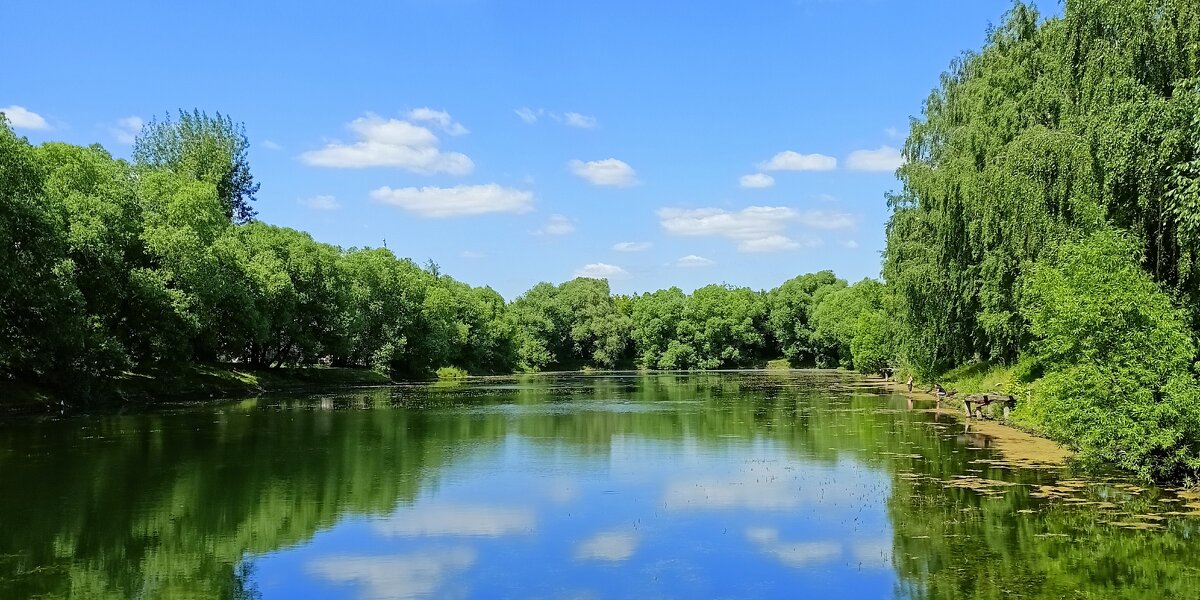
column 529, row 115
column 892, row 132
column 321, row 203
column 127, row 129
column 22, row 118
column 776, row 243
column 440, row 118
column 459, row 520
column 270, row 145
column 693, row 261
column 850, row 244
column 417, row 575
column 824, row 219
column 390, row 143
column 557, row 225
column 609, row 171
column 884, row 159
column 757, row 180
column 793, row 554
column 611, row 546
column 601, row 271
column 472, row 255
column 574, row 119
column 794, row 161
column 631, row 246
column 457, row 201
column 755, row 228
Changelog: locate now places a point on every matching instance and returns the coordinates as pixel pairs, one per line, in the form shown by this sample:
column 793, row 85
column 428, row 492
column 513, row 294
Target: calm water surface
column 795, row 484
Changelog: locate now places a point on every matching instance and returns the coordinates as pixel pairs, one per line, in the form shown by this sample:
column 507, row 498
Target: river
column 770, row 484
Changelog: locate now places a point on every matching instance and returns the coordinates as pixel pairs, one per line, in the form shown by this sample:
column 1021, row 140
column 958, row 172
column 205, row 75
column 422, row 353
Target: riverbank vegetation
column 122, row 269
column 1047, row 225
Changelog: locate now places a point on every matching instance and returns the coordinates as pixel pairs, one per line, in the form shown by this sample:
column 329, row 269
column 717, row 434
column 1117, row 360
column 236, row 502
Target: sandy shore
column 1019, row 448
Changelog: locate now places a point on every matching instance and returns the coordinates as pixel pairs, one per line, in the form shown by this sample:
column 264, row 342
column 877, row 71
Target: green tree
column 574, row 324
column 40, row 306
column 209, row 149
column 791, row 305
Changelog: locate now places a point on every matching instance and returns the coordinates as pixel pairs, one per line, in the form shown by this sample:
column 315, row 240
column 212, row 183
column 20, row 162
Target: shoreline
column 196, row 383
column 1019, row 447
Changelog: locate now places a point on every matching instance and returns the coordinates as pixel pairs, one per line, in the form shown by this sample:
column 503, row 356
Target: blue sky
column 523, row 141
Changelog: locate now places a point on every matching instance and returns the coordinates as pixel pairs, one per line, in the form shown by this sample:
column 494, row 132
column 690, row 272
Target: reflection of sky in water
column 654, row 518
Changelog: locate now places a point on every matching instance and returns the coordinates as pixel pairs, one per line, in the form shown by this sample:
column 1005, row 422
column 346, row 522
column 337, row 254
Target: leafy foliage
column 203, row 148
column 1055, row 132
column 1117, row 356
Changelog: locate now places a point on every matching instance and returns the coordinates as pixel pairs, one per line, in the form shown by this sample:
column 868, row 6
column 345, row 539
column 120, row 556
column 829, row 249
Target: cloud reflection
column 457, row 519
column 773, row 485
column 398, row 577
column 873, row 553
column 612, row 546
column 793, row 554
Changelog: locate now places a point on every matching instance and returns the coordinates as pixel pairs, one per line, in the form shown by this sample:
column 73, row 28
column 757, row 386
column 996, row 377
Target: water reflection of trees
column 167, row 505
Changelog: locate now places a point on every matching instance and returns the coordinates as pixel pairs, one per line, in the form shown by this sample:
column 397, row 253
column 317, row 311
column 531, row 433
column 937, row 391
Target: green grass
column 779, row 363
column 1018, row 380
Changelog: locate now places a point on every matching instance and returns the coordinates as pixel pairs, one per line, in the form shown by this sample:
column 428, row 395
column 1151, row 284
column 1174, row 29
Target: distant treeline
column 112, row 266
column 1049, row 220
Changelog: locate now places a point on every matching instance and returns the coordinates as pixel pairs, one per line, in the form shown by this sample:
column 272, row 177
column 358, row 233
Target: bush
column 1117, row 355
column 445, row 373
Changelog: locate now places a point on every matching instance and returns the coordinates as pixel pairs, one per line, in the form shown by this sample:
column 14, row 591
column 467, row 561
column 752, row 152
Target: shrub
column 451, row 373
column 1117, row 355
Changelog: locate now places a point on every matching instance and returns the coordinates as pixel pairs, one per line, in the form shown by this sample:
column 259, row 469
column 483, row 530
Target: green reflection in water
column 168, row 504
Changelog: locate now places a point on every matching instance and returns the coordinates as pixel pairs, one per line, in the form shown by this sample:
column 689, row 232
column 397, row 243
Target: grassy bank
column 191, row 382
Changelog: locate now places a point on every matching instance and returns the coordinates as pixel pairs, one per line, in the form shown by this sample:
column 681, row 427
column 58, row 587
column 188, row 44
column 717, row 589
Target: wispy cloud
column 776, row 243
column 570, row 119
column 756, row 180
column 883, row 159
column 529, row 115
column 789, row 160
column 23, row 118
column 631, row 246
column 127, row 129
column 825, row 219
column 754, row 229
column 321, row 203
column 601, row 270
column 607, row 172
column 693, row 261
column 574, row 119
column 557, row 225
column 390, row 143
column 457, row 201
column 440, row 118
column 271, row 145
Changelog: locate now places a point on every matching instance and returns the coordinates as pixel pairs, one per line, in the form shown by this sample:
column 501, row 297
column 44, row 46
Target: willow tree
column 1053, row 128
